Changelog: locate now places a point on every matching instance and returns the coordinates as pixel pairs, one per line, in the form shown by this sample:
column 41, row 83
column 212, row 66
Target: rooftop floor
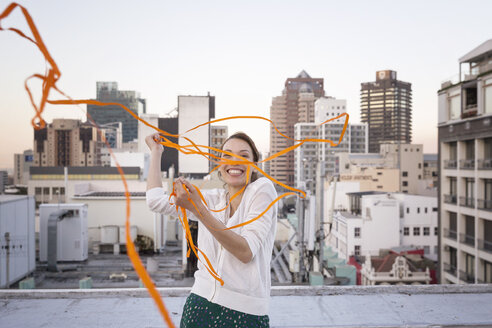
column 298, row 306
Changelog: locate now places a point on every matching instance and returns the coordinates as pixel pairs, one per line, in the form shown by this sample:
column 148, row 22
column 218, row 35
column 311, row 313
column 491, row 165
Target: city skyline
column 242, row 54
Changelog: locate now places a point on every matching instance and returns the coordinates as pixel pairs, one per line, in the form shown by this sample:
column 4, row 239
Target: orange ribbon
column 49, row 80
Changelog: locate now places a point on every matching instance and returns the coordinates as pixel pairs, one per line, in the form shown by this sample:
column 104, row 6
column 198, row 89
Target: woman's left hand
column 184, row 197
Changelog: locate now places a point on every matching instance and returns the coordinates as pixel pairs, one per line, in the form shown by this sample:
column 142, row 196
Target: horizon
column 244, row 65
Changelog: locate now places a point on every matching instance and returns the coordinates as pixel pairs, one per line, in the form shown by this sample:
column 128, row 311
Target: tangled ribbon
column 49, row 80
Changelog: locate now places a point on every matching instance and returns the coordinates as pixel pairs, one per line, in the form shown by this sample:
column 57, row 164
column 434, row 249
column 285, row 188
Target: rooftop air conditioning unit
column 68, row 235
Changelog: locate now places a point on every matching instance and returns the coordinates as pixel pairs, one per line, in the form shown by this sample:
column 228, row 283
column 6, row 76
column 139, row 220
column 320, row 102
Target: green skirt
column 200, row 313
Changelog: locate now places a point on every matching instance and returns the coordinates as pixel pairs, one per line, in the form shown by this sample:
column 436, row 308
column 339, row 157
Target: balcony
column 467, row 239
column 485, row 204
column 468, row 277
column 451, row 164
column 450, row 234
column 467, row 164
column 484, row 164
column 485, row 245
column 451, row 269
column 450, row 199
column 467, row 201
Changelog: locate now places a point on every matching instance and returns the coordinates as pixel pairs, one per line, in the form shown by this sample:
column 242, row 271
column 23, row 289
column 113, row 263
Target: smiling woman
column 242, row 255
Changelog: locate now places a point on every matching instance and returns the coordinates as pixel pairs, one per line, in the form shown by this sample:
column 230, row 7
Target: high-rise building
column 67, row 142
column 465, row 171
column 22, row 162
column 218, row 135
column 307, row 156
column 386, row 107
column 295, row 105
column 108, row 92
column 193, row 111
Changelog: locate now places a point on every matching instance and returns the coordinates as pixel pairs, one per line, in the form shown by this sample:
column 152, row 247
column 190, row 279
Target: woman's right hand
column 152, row 142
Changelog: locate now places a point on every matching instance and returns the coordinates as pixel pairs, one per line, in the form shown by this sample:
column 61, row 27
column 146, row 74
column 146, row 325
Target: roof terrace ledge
column 275, row 291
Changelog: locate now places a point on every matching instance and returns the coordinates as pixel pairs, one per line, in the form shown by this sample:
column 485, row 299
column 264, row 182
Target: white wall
column 193, row 111
column 381, row 229
column 418, row 217
column 144, row 130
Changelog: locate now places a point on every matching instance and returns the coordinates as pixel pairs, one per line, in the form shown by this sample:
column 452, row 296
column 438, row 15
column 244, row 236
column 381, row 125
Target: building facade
column 408, row 159
column 465, row 171
column 295, row 105
column 386, row 107
column 218, row 135
column 67, row 142
column 22, row 163
column 101, row 115
column 193, row 111
column 392, row 269
column 307, row 156
column 374, row 221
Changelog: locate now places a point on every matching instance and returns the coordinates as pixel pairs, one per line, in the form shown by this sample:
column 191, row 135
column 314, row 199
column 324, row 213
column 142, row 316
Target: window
column 357, row 250
column 436, row 231
column 37, row 191
column 418, row 209
column 404, row 173
column 406, row 231
column 434, row 209
column 426, row 249
column 416, row 231
column 425, row 209
column 404, row 183
column 420, row 165
column 357, row 232
column 435, row 249
column 408, row 210
column 488, row 96
column 426, row 231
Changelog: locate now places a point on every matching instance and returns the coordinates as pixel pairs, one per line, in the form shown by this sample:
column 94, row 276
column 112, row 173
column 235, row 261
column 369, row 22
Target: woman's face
column 235, row 175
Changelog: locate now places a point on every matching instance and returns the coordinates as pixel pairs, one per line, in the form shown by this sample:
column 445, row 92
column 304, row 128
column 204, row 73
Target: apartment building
column 465, row 170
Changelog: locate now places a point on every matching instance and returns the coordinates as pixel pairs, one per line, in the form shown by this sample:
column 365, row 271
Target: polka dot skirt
column 198, row 312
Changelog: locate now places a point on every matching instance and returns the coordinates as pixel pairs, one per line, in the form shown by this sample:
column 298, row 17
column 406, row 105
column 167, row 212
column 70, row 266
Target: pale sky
column 242, row 52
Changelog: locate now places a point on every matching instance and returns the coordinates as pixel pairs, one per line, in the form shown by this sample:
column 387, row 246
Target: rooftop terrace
column 293, row 306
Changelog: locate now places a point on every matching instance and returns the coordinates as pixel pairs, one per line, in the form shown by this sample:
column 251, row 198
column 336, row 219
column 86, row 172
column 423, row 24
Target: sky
column 240, row 52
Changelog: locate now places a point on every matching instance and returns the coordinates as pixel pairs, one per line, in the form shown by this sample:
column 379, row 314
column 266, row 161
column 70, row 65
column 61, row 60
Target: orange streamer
column 49, row 80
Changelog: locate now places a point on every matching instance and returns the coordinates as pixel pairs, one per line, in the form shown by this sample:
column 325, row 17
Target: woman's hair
column 256, row 154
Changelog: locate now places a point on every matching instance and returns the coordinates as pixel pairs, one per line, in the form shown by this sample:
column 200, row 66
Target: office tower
column 67, row 142
column 108, row 92
column 465, row 170
column 295, row 105
column 386, row 107
column 193, row 111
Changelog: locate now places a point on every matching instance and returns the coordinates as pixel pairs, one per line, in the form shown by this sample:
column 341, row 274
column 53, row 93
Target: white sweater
column 246, row 285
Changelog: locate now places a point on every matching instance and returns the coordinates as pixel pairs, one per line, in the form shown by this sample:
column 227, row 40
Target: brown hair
column 256, row 154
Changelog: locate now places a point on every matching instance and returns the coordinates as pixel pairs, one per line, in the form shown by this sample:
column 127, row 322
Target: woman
column 240, row 256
